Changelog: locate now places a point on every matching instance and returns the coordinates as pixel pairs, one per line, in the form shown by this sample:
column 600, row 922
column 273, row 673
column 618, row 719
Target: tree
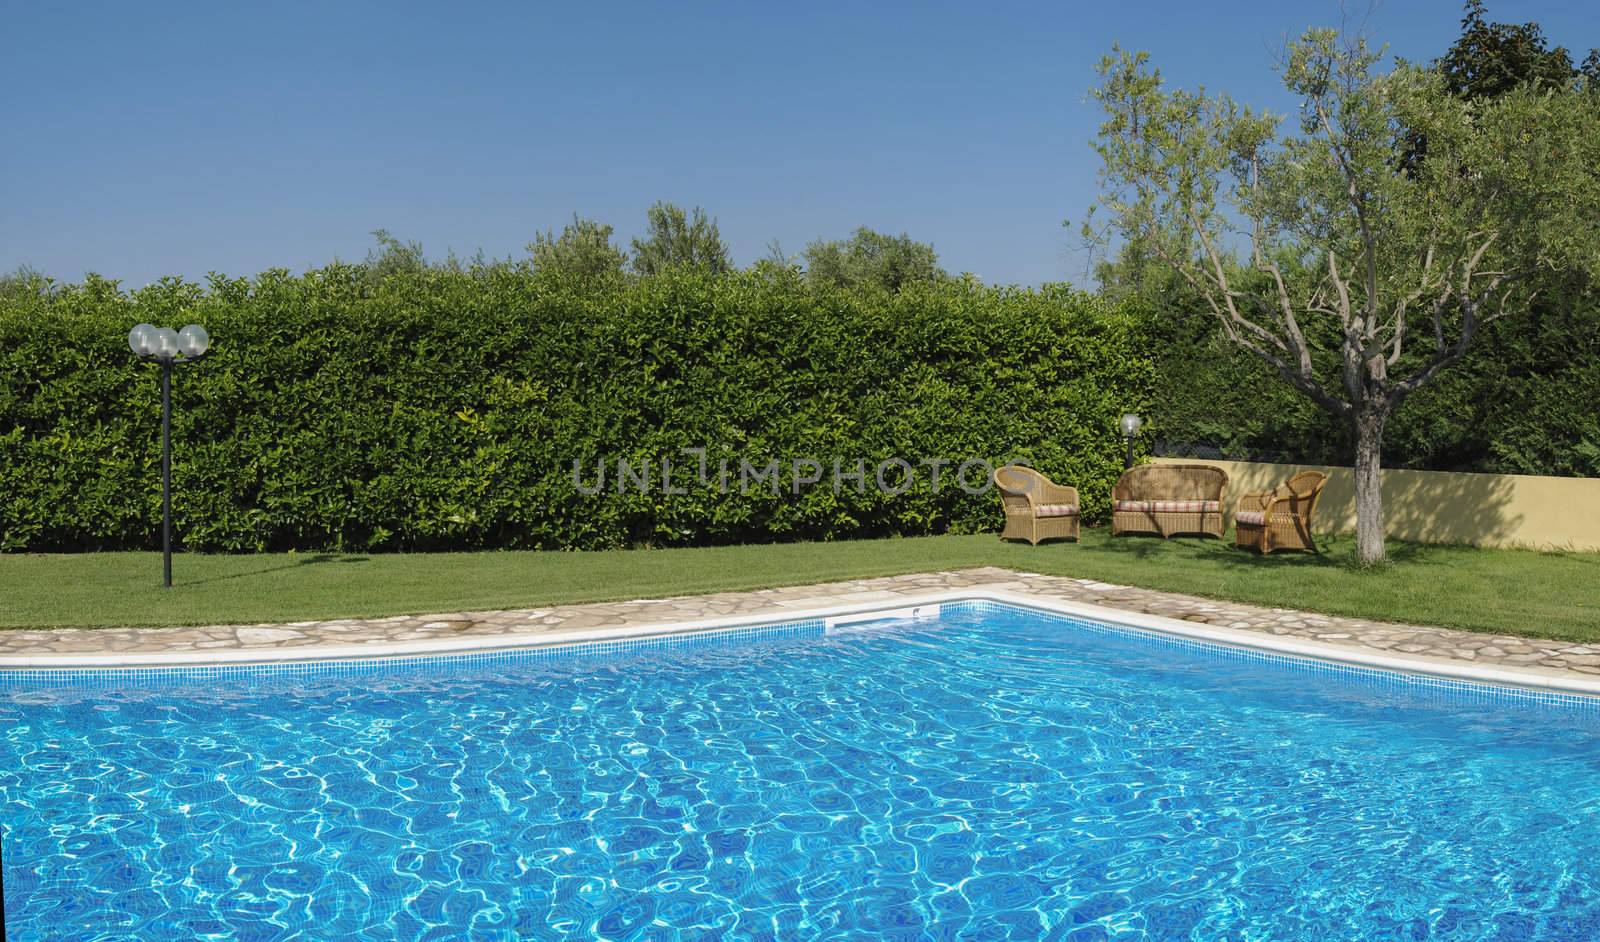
column 675, row 238
column 869, row 257
column 776, row 257
column 24, row 281
column 1400, row 271
column 583, row 250
column 394, row 257
column 1490, row 59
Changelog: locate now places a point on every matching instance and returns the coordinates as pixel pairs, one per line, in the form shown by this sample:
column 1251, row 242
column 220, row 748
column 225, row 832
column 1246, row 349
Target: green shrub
column 442, row 409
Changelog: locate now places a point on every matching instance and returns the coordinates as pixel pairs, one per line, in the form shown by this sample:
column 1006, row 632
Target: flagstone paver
column 1510, row 651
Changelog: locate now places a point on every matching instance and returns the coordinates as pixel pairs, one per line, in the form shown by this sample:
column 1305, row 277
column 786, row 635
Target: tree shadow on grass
column 1334, row 552
column 1142, row 548
column 299, row 562
column 1572, row 556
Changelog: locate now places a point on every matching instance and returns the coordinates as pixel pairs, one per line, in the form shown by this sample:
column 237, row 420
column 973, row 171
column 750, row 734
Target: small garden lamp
column 1130, row 430
column 168, row 347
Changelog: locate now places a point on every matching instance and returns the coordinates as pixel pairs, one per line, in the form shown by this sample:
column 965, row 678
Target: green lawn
column 1540, row 594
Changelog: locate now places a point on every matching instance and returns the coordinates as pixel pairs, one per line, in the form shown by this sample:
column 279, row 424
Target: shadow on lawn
column 312, row 560
column 1336, row 552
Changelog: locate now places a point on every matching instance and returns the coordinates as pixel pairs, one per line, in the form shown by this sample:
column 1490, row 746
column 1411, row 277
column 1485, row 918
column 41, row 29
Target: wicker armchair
column 1168, row 499
column 1036, row 508
column 1280, row 518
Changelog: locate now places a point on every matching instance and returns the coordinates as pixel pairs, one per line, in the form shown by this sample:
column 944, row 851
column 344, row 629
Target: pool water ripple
column 992, row 774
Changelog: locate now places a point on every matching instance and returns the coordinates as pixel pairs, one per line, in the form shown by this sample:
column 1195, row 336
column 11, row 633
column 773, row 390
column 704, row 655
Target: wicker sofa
column 1169, row 499
column 1280, row 518
column 1036, row 507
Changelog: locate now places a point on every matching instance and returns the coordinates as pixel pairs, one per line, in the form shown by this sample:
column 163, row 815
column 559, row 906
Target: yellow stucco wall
column 1445, row 507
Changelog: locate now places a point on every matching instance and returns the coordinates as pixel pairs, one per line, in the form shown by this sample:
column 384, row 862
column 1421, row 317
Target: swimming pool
column 993, row 772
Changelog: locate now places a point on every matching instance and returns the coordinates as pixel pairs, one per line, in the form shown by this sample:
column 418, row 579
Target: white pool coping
column 1536, row 679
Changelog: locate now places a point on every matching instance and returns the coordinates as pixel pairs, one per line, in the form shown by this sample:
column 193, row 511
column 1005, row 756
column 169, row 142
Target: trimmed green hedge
column 445, row 409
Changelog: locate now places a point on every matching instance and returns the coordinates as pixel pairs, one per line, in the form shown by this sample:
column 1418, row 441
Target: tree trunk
column 1369, row 490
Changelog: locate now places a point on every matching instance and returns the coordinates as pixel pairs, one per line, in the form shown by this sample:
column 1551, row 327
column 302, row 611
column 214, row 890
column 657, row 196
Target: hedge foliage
column 444, row 409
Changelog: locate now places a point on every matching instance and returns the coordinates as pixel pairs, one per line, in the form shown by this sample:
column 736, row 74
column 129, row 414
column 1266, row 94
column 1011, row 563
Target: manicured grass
column 1554, row 595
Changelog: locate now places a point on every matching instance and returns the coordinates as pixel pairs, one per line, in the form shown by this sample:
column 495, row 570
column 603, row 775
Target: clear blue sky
column 144, row 139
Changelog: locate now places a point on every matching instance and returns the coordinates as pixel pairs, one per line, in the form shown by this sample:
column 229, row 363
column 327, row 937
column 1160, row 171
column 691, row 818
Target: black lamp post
column 168, row 347
column 1130, row 430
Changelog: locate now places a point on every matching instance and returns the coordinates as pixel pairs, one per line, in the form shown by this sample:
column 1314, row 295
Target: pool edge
column 1536, row 679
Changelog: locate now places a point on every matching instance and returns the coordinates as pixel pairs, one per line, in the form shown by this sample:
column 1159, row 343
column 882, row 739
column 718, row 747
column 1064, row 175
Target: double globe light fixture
column 168, row 348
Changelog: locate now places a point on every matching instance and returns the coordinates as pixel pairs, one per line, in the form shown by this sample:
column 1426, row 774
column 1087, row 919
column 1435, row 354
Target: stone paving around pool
column 1528, row 653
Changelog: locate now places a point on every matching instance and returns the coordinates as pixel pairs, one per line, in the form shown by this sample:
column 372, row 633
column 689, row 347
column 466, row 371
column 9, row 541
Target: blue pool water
column 990, row 774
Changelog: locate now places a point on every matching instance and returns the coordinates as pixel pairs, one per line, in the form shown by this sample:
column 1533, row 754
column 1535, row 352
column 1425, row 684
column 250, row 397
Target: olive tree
column 1357, row 275
column 874, row 258
column 583, row 250
column 677, row 238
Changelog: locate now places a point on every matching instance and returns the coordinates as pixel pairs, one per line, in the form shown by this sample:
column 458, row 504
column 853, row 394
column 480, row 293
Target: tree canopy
column 869, row 257
column 583, row 250
column 1490, row 59
column 676, row 238
column 394, row 256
